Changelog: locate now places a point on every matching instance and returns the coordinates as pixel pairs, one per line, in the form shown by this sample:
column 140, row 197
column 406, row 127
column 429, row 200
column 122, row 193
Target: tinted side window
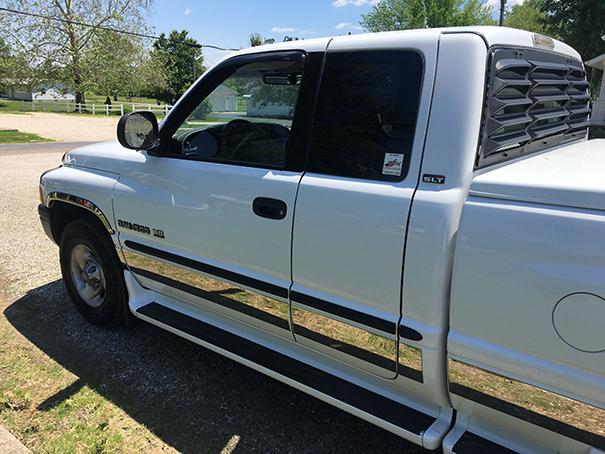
column 247, row 118
column 366, row 115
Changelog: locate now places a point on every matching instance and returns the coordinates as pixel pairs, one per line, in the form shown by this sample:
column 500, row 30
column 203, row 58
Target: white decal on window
column 393, row 164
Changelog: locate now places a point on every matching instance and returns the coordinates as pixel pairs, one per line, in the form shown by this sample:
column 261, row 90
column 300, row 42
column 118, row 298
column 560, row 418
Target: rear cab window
column 535, row 99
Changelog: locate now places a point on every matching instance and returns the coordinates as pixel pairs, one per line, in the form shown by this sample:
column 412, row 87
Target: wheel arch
column 65, row 208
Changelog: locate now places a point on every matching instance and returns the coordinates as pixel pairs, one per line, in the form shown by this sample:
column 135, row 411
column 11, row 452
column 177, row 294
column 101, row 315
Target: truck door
column 209, row 220
column 353, row 201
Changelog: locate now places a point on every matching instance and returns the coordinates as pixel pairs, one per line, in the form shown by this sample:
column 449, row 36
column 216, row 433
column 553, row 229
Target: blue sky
column 228, row 23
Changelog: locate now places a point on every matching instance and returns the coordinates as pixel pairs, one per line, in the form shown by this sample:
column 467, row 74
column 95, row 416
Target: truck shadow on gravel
column 191, row 398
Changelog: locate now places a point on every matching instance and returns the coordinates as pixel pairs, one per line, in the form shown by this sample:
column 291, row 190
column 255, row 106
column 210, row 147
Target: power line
column 102, row 27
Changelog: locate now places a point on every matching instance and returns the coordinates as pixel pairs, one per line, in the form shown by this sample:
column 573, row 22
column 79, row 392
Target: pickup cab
column 407, row 225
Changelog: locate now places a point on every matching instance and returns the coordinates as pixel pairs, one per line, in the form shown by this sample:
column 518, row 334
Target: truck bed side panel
column 528, row 315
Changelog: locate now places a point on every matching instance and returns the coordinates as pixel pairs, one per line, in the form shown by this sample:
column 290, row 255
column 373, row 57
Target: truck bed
column 570, row 175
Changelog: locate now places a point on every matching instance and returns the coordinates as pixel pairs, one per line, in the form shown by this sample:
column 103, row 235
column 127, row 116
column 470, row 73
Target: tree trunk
column 75, row 56
column 115, row 96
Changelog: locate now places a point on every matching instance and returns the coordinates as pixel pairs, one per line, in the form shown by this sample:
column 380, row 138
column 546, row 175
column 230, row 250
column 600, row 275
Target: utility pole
column 502, row 8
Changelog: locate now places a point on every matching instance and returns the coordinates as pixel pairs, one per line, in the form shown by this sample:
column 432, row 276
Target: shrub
column 201, row 111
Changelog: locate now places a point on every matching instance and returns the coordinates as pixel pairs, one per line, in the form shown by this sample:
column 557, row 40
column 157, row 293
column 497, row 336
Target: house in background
column 54, row 92
column 223, row 99
column 270, row 110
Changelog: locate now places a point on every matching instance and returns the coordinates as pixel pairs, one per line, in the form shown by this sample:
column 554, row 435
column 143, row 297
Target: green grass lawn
column 7, row 106
column 32, row 408
column 20, row 137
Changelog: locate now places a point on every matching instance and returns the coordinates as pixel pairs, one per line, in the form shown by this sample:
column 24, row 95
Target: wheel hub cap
column 87, row 275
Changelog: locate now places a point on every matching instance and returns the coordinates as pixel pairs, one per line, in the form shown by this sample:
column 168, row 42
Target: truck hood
column 106, row 156
column 572, row 176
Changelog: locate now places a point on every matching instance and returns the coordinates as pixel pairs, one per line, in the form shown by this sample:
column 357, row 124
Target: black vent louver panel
column 535, row 99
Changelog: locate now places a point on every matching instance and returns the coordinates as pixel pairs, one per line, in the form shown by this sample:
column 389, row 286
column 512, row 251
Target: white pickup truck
column 408, row 225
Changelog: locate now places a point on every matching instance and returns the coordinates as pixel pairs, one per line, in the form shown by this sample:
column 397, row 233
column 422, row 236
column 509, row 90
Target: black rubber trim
column 530, row 416
column 409, row 333
column 235, row 305
column 44, row 213
column 344, row 347
column 470, row 443
column 367, row 401
column 351, row 314
column 344, row 312
column 215, row 297
column 410, row 373
column 210, row 269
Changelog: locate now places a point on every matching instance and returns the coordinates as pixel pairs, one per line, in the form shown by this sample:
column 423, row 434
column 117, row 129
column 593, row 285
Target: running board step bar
column 469, row 443
column 381, row 407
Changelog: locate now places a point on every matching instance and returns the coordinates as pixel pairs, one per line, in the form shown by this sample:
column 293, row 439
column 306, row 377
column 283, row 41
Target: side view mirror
column 138, row 130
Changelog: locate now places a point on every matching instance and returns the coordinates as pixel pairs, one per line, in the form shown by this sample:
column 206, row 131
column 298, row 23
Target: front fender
column 89, row 189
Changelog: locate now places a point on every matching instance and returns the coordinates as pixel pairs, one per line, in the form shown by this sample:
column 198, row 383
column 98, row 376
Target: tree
column 116, row 61
column 6, row 63
column 16, row 70
column 152, row 77
column 62, row 44
column 256, row 39
column 182, row 58
column 408, row 14
column 579, row 23
column 527, row 16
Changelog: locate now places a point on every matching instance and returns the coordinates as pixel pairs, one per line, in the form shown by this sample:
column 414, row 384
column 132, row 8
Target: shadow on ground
column 193, row 399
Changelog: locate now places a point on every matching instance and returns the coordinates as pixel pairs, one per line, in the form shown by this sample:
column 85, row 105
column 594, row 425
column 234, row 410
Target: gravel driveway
column 63, row 127
column 162, row 392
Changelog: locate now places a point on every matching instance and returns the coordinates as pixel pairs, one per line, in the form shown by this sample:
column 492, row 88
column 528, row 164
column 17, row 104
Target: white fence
column 96, row 109
column 155, row 108
column 91, row 108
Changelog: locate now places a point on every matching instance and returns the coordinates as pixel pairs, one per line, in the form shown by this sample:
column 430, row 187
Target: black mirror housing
column 138, row 131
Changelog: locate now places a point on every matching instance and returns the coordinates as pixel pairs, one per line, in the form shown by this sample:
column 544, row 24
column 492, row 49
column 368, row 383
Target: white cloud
column 187, row 12
column 341, row 3
column 283, row 29
column 495, row 4
column 348, row 26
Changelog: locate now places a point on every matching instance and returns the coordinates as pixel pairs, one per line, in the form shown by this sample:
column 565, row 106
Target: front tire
column 93, row 274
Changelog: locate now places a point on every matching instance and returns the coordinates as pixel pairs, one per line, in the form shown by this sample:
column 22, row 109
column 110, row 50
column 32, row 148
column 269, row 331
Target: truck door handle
column 266, row 207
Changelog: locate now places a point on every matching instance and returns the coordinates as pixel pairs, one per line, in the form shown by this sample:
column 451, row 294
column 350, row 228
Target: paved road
column 191, row 399
column 43, row 147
